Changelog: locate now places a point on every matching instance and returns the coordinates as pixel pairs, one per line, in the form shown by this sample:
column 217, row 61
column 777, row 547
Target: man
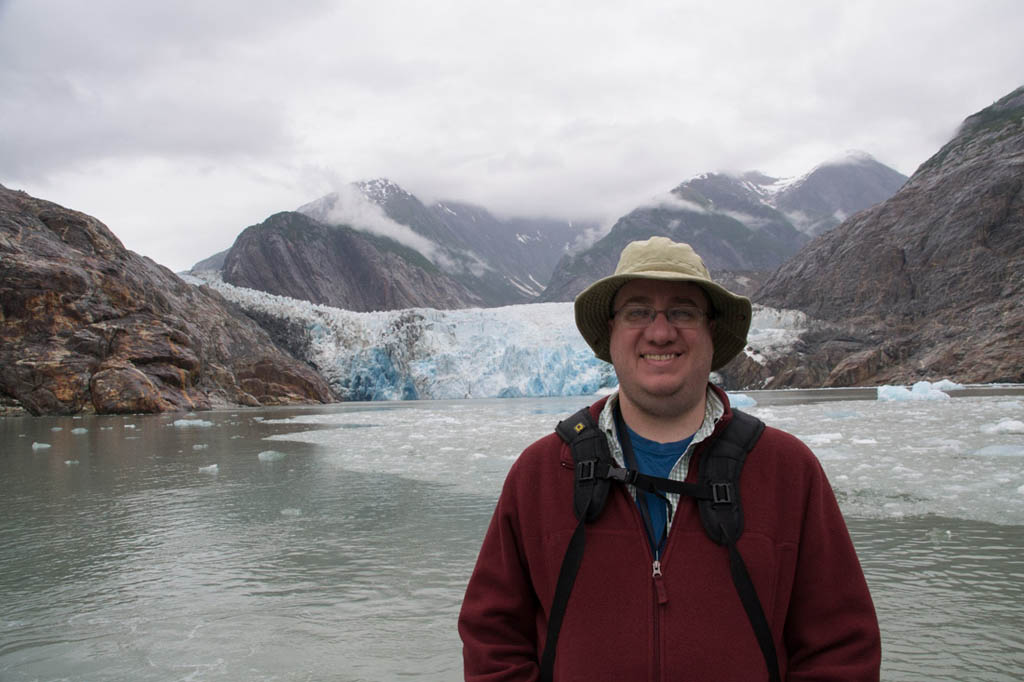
column 654, row 597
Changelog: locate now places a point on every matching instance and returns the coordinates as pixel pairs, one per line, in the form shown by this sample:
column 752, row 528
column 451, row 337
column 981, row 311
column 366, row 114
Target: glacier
column 528, row 350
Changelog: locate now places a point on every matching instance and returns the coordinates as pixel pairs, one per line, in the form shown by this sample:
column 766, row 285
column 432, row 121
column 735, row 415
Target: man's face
column 662, row 370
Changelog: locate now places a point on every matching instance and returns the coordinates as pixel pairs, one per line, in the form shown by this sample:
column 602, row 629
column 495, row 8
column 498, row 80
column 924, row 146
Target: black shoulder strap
column 721, row 514
column 590, row 492
column 720, row 467
column 589, row 451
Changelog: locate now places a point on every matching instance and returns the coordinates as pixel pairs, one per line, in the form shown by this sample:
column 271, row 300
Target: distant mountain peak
column 380, row 189
column 849, row 157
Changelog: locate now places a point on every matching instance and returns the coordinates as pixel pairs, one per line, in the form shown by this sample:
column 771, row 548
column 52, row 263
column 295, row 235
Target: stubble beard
column 667, row 406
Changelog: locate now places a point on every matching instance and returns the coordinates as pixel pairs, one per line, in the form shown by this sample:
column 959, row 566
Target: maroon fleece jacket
column 623, row 623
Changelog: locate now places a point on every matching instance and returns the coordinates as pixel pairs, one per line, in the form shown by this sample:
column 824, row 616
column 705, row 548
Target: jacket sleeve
column 831, row 628
column 498, row 620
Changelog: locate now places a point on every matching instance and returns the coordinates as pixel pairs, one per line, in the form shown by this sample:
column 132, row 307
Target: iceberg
column 922, row 390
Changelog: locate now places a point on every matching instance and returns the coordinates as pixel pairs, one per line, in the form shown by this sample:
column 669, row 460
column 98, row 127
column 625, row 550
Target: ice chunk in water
column 40, row 446
column 271, row 456
column 741, row 400
column 1005, row 426
column 212, row 469
column 78, row 431
column 922, row 390
column 200, row 446
column 1001, row 451
column 192, row 423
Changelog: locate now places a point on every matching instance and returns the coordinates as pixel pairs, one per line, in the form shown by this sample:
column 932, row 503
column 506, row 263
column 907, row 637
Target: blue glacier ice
column 529, row 350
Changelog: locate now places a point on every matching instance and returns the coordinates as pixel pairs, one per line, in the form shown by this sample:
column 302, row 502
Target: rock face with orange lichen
column 88, row 326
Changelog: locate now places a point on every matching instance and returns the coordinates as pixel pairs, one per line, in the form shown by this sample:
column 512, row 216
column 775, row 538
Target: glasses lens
column 681, row 317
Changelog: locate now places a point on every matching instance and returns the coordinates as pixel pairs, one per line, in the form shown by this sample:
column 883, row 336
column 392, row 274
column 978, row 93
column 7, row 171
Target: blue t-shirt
column 656, row 459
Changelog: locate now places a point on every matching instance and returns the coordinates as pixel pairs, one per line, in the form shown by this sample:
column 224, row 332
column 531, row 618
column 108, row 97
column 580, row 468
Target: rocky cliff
column 466, row 255
column 930, row 283
column 88, row 326
column 291, row 254
column 744, row 226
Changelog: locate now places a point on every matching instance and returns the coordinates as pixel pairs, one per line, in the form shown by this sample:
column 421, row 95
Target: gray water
column 334, row 543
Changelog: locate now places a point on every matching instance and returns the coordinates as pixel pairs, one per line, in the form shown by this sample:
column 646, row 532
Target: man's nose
column 659, row 330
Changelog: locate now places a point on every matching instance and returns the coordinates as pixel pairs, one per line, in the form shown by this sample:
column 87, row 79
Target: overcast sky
column 180, row 123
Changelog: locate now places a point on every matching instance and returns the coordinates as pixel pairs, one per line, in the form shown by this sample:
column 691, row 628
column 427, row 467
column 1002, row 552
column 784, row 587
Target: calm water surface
column 335, row 543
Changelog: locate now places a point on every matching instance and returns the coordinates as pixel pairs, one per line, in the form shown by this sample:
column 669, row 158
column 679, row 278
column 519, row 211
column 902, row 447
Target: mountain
column 293, row 255
column 833, row 191
column 446, row 255
column 743, row 226
column 929, row 282
column 88, row 326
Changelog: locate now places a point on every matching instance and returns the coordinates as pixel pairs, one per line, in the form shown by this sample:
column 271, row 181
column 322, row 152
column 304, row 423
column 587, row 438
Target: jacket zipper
column 660, row 598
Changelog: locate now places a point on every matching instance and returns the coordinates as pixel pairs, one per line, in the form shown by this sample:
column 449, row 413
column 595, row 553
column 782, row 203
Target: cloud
column 349, row 206
column 575, row 111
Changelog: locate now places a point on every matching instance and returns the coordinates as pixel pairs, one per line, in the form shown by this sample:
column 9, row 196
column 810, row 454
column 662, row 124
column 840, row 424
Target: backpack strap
column 591, row 456
column 721, row 514
column 590, row 492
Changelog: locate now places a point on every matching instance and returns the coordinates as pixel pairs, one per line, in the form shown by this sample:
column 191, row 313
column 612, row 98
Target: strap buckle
column 721, row 493
column 585, row 470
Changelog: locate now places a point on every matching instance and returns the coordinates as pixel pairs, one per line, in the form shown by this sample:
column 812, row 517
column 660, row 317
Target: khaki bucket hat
column 661, row 258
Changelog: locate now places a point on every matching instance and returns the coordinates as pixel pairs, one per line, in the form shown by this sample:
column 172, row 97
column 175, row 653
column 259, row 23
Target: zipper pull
column 659, row 584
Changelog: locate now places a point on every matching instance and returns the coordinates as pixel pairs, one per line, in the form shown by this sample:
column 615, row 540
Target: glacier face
column 527, row 350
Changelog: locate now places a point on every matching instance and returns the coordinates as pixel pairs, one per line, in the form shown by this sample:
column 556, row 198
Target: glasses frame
column 699, row 316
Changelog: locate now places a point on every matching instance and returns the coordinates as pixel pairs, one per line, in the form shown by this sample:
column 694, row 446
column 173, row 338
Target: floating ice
column 192, row 423
column 946, row 385
column 78, row 431
column 290, row 511
column 70, row 462
column 1005, row 426
column 271, row 456
column 211, row 469
column 821, row 438
column 40, row 446
column 200, row 446
column 57, row 428
column 741, row 400
column 922, row 390
column 1001, row 451
column 129, row 426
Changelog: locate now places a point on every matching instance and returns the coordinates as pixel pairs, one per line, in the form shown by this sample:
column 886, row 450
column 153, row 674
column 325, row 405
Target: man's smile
column 659, row 357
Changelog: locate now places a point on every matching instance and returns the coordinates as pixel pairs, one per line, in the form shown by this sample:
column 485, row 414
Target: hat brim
column 732, row 313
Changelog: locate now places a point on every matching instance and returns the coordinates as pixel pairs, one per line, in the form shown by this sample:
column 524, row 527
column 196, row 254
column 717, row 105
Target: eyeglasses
column 639, row 316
